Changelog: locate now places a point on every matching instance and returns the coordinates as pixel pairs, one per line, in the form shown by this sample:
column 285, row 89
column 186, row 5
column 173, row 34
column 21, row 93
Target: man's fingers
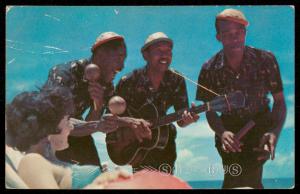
column 229, row 147
column 262, row 142
column 272, row 149
column 224, row 148
column 229, row 140
column 264, row 154
column 262, row 158
column 124, row 174
column 146, row 132
column 138, row 135
column 137, row 132
column 233, row 143
column 188, row 117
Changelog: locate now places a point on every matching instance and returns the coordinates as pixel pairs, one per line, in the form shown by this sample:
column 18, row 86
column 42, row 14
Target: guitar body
column 123, row 147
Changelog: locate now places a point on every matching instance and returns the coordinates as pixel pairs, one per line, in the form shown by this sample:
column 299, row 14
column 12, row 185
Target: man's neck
column 234, row 60
column 155, row 77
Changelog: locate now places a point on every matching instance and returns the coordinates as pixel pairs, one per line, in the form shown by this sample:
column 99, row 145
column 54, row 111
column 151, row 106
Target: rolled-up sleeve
column 273, row 72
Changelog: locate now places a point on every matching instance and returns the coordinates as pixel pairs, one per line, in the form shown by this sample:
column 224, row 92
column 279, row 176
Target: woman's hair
column 32, row 116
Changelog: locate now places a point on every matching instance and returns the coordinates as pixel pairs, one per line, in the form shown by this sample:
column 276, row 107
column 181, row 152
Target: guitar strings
column 185, row 77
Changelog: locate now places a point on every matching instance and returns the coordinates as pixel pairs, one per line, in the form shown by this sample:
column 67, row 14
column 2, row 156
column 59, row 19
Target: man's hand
column 229, row 142
column 108, row 123
column 267, row 143
column 104, row 179
column 96, row 93
column 188, row 117
column 140, row 127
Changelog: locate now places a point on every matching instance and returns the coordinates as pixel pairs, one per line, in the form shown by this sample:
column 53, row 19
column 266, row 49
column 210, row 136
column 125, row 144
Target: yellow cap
column 106, row 37
column 233, row 15
column 156, row 37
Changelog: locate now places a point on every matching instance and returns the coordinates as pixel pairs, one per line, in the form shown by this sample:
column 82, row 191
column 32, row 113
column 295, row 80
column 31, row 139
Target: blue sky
column 38, row 37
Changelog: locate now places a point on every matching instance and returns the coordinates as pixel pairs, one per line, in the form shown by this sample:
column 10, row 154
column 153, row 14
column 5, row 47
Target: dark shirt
column 137, row 90
column 258, row 76
column 71, row 75
column 81, row 150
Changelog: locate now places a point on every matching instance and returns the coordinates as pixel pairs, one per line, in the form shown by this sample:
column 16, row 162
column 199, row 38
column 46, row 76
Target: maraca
column 117, row 105
column 92, row 74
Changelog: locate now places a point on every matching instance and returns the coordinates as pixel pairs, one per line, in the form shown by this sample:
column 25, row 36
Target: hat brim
column 232, row 19
column 156, row 41
column 97, row 44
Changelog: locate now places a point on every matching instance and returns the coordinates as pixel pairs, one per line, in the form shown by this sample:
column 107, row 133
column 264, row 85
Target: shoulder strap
column 9, row 161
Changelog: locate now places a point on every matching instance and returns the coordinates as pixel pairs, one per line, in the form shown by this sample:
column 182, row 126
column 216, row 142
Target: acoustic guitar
column 122, row 146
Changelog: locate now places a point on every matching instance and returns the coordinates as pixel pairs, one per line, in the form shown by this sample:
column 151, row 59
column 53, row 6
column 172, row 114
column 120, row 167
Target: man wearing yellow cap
column 255, row 72
column 108, row 53
column 155, row 83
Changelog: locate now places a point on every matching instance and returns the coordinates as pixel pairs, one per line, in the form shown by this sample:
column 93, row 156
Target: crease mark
column 52, row 52
column 52, row 17
column 53, row 47
column 11, row 61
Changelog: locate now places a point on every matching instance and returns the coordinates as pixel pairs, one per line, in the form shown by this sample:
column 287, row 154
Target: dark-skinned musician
column 155, row 82
column 256, row 73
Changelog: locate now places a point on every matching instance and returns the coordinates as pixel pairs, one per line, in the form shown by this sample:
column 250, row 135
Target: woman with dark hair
column 38, row 124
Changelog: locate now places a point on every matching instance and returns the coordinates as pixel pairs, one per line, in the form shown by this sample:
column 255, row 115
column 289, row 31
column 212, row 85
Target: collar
column 162, row 82
column 220, row 58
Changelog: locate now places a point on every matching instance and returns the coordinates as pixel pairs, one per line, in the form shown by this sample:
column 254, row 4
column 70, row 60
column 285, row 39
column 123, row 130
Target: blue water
column 279, row 183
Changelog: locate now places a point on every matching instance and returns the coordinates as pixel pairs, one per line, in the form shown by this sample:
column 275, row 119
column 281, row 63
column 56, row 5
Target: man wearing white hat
column 108, row 53
column 255, row 72
column 156, row 83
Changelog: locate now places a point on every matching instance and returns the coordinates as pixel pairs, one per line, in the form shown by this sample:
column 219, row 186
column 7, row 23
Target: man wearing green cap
column 155, row 83
column 255, row 72
column 108, row 53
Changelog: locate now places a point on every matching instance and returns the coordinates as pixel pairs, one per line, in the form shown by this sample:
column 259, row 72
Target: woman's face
column 60, row 141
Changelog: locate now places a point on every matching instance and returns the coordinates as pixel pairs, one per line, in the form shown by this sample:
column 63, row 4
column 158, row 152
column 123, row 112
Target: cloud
column 191, row 166
column 200, row 129
column 284, row 160
column 11, row 61
column 282, row 166
column 290, row 117
column 291, row 98
column 185, row 153
column 52, row 17
column 287, row 81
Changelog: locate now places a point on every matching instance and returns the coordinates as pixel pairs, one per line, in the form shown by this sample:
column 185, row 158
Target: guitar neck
column 176, row 116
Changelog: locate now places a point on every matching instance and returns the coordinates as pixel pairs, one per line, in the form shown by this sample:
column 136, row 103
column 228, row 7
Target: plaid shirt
column 259, row 74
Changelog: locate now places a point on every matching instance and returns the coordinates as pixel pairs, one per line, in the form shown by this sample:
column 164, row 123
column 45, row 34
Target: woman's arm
column 12, row 179
column 38, row 173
